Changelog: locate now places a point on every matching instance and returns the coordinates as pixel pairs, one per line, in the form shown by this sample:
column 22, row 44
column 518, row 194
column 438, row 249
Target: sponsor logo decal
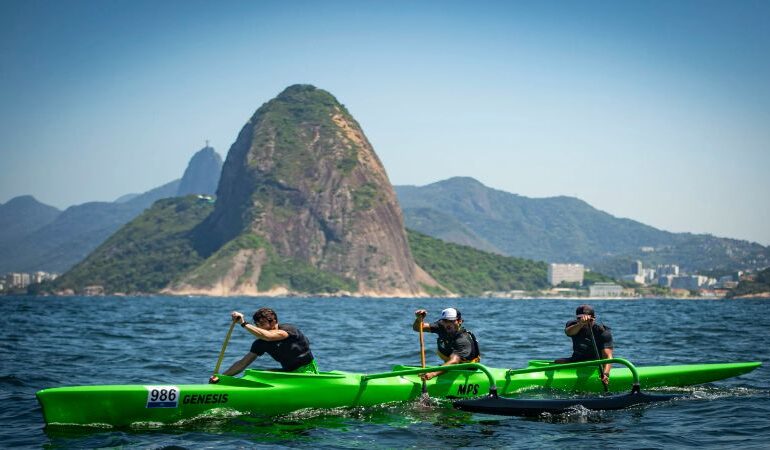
column 468, row 389
column 204, row 399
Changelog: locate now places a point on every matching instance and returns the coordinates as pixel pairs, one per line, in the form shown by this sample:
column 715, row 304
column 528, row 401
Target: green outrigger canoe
column 273, row 393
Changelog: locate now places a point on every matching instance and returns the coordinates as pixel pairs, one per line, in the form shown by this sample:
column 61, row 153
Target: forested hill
column 156, row 248
column 561, row 229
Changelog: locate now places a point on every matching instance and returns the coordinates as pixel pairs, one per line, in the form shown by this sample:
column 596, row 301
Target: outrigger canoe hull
column 274, row 393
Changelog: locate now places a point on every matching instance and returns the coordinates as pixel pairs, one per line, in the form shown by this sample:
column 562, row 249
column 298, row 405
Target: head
column 451, row 319
column 265, row 318
column 586, row 310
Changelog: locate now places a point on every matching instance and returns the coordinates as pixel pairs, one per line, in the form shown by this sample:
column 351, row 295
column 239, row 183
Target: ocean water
column 50, row 341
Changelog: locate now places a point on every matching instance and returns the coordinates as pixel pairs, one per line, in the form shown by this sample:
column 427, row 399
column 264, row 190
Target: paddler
column 455, row 344
column 580, row 330
column 284, row 342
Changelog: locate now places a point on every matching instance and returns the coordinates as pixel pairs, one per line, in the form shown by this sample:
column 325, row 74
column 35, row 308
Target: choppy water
column 46, row 342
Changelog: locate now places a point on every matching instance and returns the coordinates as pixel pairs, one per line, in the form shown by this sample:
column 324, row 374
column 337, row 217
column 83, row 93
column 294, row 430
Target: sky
column 657, row 111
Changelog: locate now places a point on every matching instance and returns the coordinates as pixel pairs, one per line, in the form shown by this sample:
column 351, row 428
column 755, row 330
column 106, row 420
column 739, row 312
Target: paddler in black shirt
column 455, row 344
column 284, row 342
column 582, row 345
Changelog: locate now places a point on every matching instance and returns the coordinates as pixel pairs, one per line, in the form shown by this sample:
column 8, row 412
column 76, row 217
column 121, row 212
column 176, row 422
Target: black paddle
column 598, row 356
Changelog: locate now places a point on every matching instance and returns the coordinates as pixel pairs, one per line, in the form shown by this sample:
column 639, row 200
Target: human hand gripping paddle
column 605, row 381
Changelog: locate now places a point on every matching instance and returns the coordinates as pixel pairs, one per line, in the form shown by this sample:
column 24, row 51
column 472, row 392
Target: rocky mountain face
column 303, row 188
column 202, row 173
column 562, row 229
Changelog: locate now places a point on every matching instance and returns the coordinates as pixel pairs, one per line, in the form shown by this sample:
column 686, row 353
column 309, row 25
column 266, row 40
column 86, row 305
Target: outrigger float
column 473, row 386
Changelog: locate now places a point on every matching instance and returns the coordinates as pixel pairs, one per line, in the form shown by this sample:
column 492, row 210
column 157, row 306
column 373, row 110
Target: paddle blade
column 535, row 407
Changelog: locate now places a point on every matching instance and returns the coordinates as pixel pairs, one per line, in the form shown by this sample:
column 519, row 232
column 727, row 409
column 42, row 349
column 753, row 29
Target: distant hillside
column 760, row 286
column 561, row 229
column 145, row 254
column 467, row 271
column 157, row 248
column 23, row 215
column 53, row 241
column 75, row 233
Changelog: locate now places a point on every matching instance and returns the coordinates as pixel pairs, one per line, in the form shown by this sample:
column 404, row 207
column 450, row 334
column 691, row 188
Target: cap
column 585, row 309
column 449, row 314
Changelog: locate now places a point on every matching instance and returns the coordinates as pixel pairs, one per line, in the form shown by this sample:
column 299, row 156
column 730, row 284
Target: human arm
column 574, row 327
column 606, row 354
column 260, row 333
column 419, row 319
column 237, row 367
column 453, row 359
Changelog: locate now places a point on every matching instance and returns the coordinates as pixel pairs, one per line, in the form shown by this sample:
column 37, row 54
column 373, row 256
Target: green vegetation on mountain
column 591, row 277
column 299, row 276
column 467, row 271
column 157, row 248
column 146, row 254
column 282, row 126
column 760, row 285
column 275, row 272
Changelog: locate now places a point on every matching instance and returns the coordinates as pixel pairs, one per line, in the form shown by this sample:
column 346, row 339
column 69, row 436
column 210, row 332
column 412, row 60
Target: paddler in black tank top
column 582, row 345
column 284, row 342
column 455, row 344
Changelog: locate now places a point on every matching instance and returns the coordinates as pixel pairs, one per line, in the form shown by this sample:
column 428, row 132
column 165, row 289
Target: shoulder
column 289, row 328
column 570, row 323
column 605, row 330
column 466, row 335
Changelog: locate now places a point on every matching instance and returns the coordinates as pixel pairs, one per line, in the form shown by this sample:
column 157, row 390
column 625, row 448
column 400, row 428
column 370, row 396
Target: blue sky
column 657, row 111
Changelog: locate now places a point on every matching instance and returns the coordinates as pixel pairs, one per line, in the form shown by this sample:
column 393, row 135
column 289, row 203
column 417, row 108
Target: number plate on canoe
column 162, row 396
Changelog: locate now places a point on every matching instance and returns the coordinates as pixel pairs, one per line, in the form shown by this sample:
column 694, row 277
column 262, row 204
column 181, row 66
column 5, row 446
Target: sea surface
column 57, row 341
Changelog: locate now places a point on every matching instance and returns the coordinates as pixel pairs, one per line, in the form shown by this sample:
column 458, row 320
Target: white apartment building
column 570, row 273
column 668, row 269
column 605, row 290
column 691, row 283
column 17, row 280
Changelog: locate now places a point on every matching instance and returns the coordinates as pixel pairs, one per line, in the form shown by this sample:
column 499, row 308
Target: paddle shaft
column 422, row 356
column 598, row 356
column 224, row 346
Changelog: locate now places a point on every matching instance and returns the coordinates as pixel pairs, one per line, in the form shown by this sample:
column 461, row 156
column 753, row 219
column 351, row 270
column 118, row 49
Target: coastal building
column 605, row 290
column 638, row 279
column 39, row 277
column 569, row 273
column 668, row 269
column 16, row 280
column 689, row 282
column 636, row 268
column 94, row 290
column 665, row 280
column 649, row 275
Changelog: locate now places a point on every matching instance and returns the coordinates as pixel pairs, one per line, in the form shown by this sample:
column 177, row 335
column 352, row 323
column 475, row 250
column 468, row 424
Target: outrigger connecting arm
column 493, row 383
column 553, row 367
